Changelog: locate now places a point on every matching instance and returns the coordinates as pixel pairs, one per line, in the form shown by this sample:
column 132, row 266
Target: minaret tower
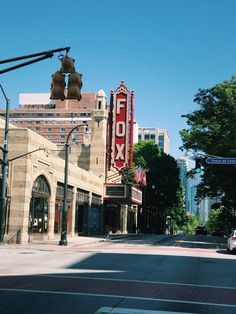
column 98, row 142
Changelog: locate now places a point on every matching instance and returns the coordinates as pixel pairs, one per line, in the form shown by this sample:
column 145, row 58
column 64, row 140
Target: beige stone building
column 35, row 182
column 35, row 190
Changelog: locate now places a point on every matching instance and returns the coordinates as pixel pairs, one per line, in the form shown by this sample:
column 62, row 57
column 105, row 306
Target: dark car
column 201, row 230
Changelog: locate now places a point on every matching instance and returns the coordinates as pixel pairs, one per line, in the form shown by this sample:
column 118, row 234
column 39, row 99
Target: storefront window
column 38, row 216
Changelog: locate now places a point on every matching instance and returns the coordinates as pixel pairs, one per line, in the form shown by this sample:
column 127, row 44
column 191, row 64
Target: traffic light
column 199, row 164
column 67, row 65
column 74, row 86
column 58, row 86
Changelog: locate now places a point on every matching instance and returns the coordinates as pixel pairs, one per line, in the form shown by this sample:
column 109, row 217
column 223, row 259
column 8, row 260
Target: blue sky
column 164, row 50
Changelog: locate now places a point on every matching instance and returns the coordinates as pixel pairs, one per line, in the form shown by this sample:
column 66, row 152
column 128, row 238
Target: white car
column 231, row 242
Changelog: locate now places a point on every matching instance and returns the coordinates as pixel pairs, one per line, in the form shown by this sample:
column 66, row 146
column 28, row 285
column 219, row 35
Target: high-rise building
column 159, row 136
column 199, row 207
column 183, row 164
column 192, row 205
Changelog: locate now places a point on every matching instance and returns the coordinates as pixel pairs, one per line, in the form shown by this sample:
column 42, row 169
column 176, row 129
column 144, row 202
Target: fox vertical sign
column 120, row 127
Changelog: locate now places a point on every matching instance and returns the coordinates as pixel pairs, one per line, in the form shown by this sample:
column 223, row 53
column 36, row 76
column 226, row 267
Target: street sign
column 221, row 161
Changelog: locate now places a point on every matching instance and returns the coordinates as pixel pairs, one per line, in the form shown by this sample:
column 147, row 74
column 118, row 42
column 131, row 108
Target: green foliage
column 146, row 154
column 216, row 219
column 212, row 132
column 163, row 195
column 191, row 223
column 128, row 177
column 219, row 218
column 177, row 211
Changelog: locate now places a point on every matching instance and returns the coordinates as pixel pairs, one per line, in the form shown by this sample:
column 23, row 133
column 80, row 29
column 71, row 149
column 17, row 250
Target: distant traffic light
column 199, row 164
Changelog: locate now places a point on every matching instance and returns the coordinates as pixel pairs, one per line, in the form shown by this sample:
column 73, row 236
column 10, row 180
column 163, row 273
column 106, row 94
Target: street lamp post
column 4, row 169
column 63, row 240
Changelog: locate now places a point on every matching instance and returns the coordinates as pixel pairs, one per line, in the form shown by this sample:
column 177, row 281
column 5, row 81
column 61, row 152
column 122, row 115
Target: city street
column 187, row 274
column 118, row 157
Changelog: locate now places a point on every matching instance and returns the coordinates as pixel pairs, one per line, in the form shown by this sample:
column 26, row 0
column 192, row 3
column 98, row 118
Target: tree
column 146, row 154
column 163, row 195
column 191, row 223
column 219, row 218
column 178, row 212
column 128, row 177
column 216, row 220
column 212, row 132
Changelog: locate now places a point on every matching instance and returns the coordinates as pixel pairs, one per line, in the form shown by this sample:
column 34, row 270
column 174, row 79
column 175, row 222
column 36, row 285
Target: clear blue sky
column 164, row 50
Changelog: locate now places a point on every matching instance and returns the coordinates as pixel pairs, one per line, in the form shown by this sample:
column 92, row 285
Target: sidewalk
column 81, row 240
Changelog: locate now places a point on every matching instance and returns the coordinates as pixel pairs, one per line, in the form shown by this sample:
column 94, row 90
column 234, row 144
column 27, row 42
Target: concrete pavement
column 76, row 241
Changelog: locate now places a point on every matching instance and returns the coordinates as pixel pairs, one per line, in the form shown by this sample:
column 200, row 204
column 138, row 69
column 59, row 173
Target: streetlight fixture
column 63, row 240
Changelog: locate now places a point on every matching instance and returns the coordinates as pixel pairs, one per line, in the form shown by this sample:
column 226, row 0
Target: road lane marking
column 197, row 242
column 119, row 310
column 116, row 296
column 178, row 242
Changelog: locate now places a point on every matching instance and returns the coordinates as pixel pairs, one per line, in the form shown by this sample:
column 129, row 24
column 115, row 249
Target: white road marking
column 115, row 296
column 118, row 310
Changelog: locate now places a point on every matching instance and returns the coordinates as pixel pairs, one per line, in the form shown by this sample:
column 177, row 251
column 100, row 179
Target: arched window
column 38, row 215
column 41, row 186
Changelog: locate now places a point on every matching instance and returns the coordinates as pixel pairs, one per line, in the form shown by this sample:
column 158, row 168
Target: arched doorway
column 38, row 216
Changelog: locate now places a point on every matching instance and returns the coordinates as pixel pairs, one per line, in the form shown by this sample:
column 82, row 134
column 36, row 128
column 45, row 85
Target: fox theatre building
column 121, row 201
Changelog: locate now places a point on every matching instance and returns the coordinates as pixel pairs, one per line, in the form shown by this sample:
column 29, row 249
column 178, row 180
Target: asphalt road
column 187, row 274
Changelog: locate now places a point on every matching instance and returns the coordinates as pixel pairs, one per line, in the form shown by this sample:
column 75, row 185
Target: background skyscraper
column 159, row 136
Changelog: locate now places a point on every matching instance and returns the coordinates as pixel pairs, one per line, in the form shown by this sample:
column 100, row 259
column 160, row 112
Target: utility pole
column 4, row 170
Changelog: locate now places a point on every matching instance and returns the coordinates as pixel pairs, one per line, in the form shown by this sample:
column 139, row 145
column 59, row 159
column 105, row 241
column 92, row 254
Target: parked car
column 201, row 230
column 218, row 233
column 231, row 242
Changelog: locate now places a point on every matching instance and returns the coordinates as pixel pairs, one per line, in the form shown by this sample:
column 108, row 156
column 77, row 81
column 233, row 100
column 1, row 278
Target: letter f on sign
column 120, row 104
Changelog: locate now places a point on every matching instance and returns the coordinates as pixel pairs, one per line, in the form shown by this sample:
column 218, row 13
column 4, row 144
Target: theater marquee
column 122, row 193
column 119, row 151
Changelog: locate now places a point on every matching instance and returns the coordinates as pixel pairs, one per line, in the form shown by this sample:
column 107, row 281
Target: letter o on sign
column 120, row 129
